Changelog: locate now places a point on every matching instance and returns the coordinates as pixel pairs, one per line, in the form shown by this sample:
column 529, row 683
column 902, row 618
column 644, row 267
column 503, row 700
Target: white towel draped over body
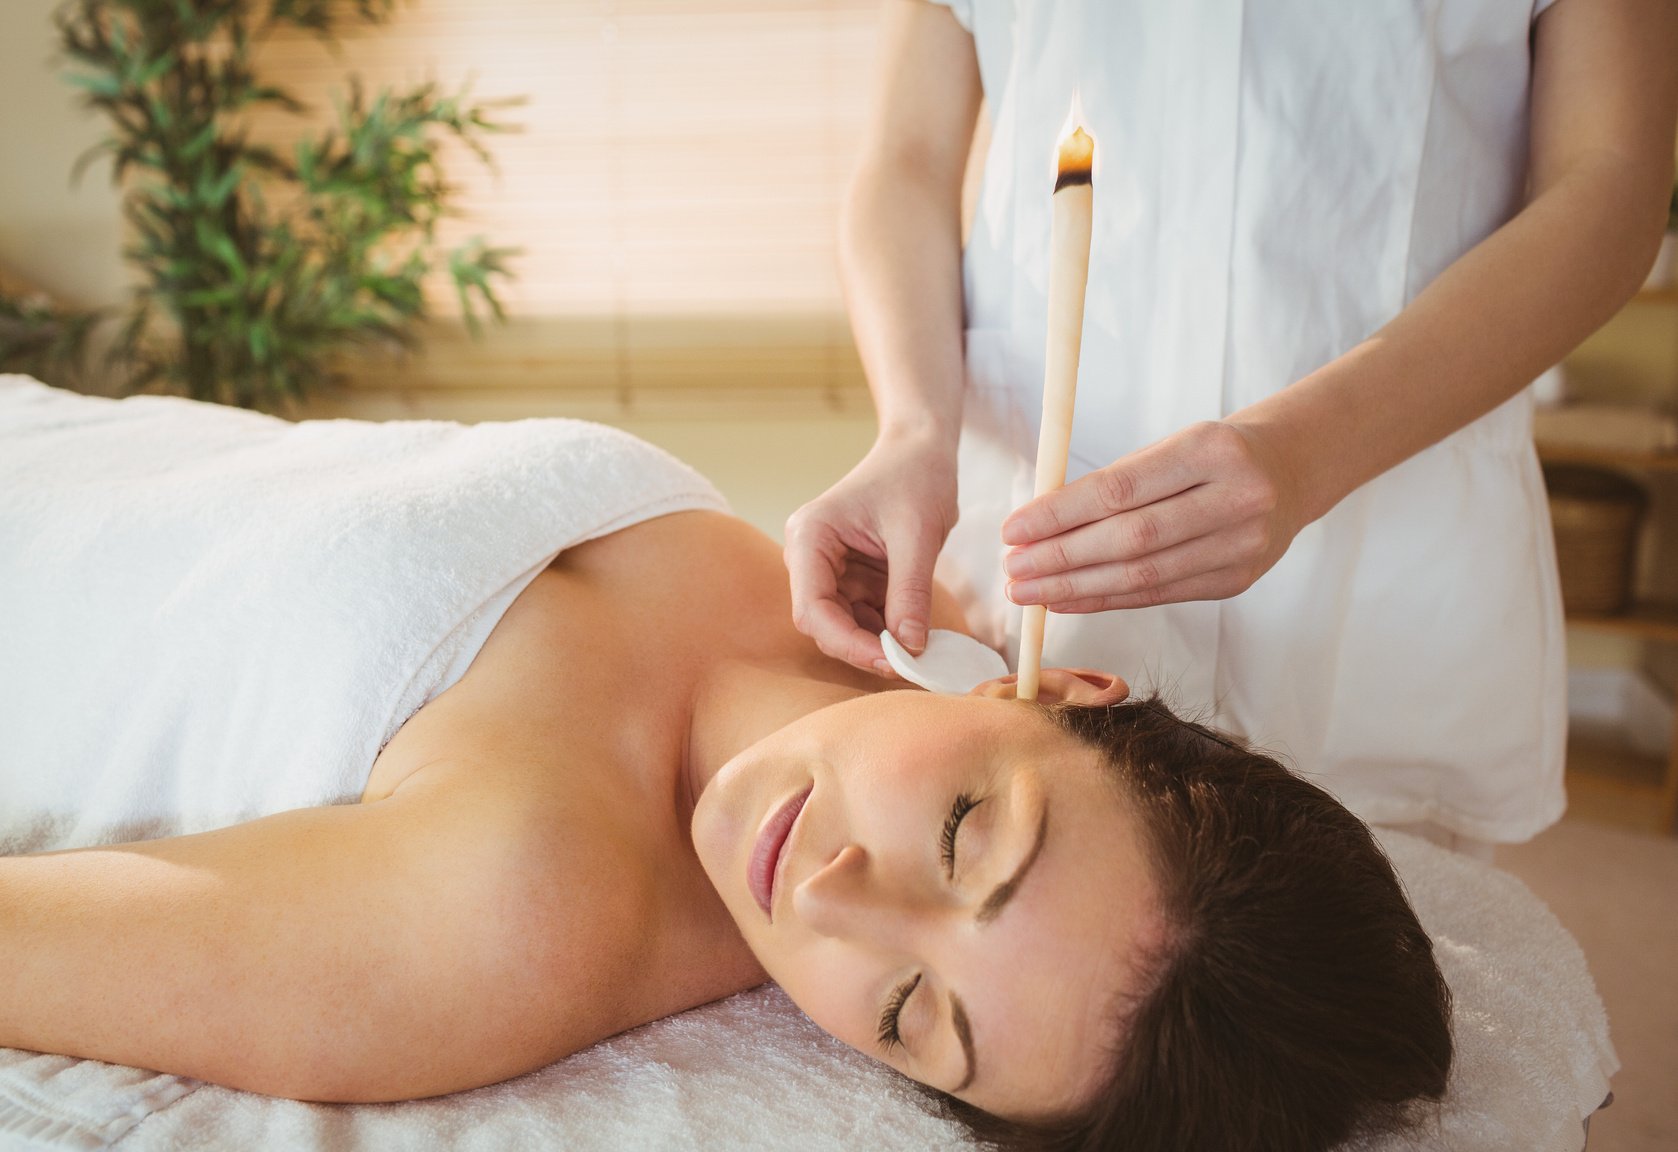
column 208, row 615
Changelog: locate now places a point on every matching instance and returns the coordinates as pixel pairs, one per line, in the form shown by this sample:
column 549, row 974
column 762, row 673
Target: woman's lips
column 762, row 873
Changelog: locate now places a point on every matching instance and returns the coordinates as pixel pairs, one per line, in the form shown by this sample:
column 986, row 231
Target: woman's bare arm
column 900, row 229
column 1604, row 91
column 862, row 553
column 399, row 949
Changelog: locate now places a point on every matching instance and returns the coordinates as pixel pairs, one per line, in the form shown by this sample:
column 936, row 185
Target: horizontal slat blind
column 675, row 186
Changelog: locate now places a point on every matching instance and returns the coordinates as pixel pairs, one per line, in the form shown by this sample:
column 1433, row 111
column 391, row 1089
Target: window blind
column 675, row 184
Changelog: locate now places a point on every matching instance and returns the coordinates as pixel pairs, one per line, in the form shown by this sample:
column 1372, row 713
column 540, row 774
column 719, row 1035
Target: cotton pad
column 953, row 664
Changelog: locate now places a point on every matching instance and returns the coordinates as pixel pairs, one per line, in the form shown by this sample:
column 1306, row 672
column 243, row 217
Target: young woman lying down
column 1081, row 923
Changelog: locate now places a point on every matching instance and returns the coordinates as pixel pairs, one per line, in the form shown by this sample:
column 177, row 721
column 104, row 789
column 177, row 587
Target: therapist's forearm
column 1508, row 309
column 900, row 259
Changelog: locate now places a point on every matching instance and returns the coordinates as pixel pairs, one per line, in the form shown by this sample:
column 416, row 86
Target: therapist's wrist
column 924, row 434
column 1306, row 491
column 1320, row 434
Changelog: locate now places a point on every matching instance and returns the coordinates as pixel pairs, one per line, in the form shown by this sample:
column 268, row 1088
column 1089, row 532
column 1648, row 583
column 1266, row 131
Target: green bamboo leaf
column 266, row 94
column 154, row 71
column 220, row 189
column 100, row 84
column 200, row 142
column 228, row 254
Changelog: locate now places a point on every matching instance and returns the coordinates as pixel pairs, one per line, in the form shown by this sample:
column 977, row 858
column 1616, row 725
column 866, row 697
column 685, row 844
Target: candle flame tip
column 1077, row 158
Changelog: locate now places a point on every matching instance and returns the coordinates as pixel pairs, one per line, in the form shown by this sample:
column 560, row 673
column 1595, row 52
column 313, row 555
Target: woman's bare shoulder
column 687, row 540
column 609, row 913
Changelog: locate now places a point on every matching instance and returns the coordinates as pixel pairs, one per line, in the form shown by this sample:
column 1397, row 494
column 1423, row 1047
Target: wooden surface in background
column 604, row 367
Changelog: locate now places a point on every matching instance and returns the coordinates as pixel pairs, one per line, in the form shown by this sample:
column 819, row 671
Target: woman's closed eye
column 964, row 804
column 889, row 1036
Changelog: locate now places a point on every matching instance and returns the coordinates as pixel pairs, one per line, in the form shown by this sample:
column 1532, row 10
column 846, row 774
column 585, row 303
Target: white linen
column 209, row 615
column 1533, row 1060
column 1276, row 179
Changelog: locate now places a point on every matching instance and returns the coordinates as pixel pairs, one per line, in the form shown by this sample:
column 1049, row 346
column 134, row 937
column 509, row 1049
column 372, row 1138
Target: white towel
column 209, row 615
column 1533, row 1058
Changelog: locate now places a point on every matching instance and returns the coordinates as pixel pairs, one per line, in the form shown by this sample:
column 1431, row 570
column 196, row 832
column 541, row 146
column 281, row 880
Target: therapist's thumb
column 910, row 557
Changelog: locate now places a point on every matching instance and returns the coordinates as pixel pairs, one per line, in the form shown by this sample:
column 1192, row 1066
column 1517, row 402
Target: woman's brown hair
column 1295, row 1002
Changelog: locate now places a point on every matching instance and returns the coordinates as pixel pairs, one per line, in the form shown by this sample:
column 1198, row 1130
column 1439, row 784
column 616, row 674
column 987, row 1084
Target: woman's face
column 960, row 892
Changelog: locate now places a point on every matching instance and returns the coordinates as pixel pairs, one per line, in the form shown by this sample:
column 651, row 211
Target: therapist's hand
column 860, row 556
column 1199, row 515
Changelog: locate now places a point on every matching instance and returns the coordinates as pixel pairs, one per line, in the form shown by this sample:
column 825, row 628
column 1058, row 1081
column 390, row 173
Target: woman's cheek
column 833, row 992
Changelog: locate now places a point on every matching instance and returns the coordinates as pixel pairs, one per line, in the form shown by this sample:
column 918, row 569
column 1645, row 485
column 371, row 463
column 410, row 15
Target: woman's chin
column 725, row 816
column 712, row 831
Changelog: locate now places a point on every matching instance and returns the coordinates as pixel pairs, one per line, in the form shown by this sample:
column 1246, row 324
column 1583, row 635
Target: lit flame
column 1074, row 117
column 1075, row 150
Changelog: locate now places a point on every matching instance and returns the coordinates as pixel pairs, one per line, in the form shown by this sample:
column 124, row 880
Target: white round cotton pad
column 953, row 664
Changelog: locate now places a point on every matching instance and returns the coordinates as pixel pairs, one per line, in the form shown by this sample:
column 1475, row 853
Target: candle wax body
column 1069, row 267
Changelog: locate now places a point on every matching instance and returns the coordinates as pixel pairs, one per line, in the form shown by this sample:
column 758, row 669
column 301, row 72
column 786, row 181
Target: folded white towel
column 209, row 615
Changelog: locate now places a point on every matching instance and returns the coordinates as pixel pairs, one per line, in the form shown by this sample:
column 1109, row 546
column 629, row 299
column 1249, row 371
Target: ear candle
column 1069, row 268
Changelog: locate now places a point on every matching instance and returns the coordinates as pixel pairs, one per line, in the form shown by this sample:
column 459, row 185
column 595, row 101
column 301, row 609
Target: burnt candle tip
column 1077, row 157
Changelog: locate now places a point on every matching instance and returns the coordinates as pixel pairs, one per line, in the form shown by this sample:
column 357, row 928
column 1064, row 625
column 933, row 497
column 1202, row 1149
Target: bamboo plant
column 258, row 270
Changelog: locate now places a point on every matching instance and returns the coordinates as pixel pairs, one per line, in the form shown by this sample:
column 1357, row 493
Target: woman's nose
column 851, row 898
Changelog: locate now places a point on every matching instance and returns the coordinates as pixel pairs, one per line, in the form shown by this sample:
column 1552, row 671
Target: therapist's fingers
column 868, row 617
column 911, row 553
column 1144, row 477
column 1126, row 536
column 1231, row 551
column 863, row 583
column 834, row 629
column 815, row 562
column 1206, row 586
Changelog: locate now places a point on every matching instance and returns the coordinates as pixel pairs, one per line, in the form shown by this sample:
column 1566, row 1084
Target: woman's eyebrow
column 1004, row 892
column 964, row 1033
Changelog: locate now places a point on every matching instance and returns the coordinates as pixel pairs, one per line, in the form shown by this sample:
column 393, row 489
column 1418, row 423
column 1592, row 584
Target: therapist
column 1333, row 244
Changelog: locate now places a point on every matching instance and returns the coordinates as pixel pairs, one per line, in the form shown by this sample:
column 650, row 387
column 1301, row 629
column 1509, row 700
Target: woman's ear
column 1062, row 685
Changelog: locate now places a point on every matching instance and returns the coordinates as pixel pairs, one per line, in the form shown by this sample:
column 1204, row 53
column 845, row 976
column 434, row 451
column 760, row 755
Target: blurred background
column 671, row 194
column 672, row 187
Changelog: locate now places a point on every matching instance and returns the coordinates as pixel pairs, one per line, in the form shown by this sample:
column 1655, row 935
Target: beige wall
column 60, row 238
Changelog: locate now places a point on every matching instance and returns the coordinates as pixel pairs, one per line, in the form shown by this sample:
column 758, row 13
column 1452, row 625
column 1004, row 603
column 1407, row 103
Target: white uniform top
column 1276, row 179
